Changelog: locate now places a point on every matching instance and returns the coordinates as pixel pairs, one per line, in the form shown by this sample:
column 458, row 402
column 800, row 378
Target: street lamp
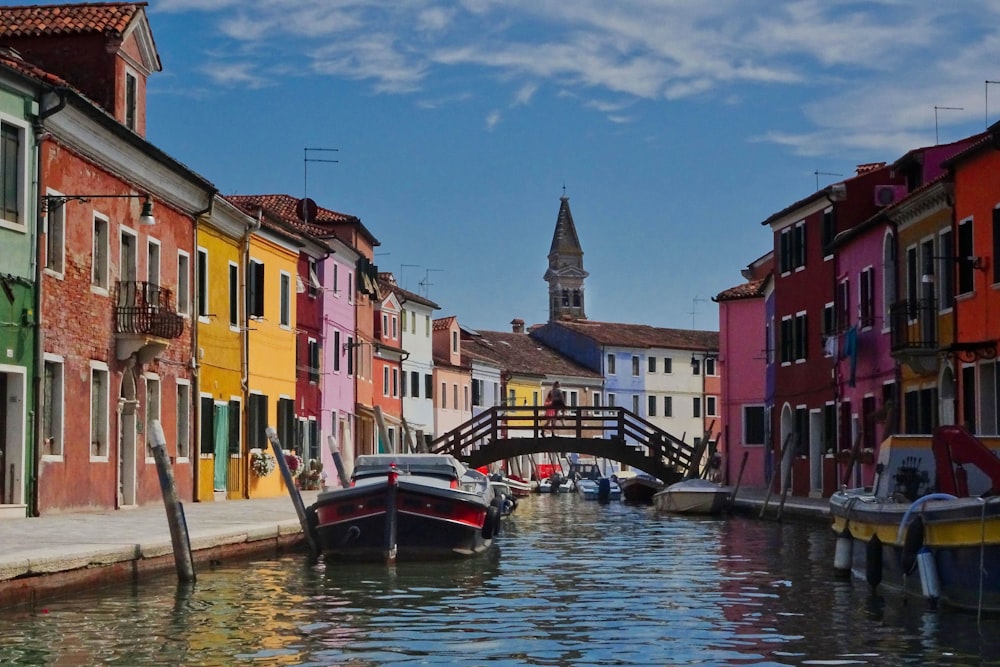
column 52, row 202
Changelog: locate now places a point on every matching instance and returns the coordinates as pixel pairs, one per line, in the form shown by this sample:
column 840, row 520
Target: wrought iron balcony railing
column 914, row 325
column 146, row 308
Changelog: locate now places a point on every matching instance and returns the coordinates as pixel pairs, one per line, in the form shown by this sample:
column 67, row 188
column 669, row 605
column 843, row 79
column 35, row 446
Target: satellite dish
column 306, row 209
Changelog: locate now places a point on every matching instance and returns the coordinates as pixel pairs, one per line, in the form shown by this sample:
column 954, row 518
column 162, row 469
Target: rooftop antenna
column 403, row 266
column 305, row 165
column 426, row 282
column 936, row 119
column 694, row 308
column 986, row 86
column 818, row 173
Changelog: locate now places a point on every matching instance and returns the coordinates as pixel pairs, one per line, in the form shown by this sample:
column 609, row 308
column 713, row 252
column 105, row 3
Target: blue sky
column 676, row 127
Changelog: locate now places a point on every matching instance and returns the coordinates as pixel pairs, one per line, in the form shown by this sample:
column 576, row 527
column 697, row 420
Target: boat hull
column 590, row 489
column 640, row 489
column 693, row 497
column 962, row 535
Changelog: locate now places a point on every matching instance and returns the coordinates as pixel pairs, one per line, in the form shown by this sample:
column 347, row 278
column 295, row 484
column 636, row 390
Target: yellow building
column 270, row 323
column 223, row 241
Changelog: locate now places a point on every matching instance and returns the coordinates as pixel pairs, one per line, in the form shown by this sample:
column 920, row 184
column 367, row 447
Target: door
column 6, row 464
column 220, row 447
column 126, row 453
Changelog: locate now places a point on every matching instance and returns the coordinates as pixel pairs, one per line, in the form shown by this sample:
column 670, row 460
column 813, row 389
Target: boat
column 639, row 487
column 930, row 525
column 604, row 488
column 503, row 496
column 406, row 506
column 556, row 483
column 693, row 496
column 521, row 488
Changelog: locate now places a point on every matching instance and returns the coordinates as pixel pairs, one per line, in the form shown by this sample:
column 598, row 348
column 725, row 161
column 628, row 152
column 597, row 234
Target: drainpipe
column 37, row 381
column 245, row 335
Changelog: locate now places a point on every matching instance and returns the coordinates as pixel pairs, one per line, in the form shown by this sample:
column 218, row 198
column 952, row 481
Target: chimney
column 517, row 325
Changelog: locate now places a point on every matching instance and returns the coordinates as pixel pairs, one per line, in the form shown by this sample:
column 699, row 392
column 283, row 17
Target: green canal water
column 569, row 582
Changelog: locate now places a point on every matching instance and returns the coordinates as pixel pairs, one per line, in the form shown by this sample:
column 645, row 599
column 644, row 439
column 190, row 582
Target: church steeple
column 565, row 274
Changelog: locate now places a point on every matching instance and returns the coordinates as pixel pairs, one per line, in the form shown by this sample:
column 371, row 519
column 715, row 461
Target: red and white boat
column 406, row 506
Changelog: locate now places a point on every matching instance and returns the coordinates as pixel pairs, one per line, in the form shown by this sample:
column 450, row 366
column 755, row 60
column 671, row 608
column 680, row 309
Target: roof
column 522, row 354
column 284, row 207
column 12, row 59
column 109, row 18
column 753, row 289
column 862, row 170
column 388, row 284
column 443, row 323
column 564, row 238
column 642, row 335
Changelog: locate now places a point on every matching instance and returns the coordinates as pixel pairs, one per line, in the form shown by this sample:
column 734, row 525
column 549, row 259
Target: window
column 152, row 411
column 710, row 366
column 427, row 326
column 313, row 360
column 395, row 383
column 402, row 320
column 454, row 341
column 696, row 406
column 597, row 400
column 153, row 263
column 285, row 316
column 477, row 392
column 611, row 364
column 843, row 306
column 234, row 296
column 336, row 352
column 635, row 366
column 428, row 386
column 635, row 403
column 668, row 365
column 385, row 380
column 866, row 298
column 55, row 239
column 611, row 400
column 996, row 245
column 98, row 409
column 668, row 406
column 314, row 285
column 444, row 395
column 465, row 397
column 257, row 421
column 183, row 419
column 710, row 402
column 454, row 397
column 12, row 173
column 99, row 269
column 255, row 293
column 965, row 249
column 53, row 406
column 829, row 230
column 286, row 423
column 801, row 337
column 350, row 355
column 829, row 320
column 946, row 277
column 234, row 428
column 695, row 365
column 202, row 281
column 753, row 424
column 415, row 384
column 131, row 94
column 792, row 247
column 651, row 406
column 336, row 279
column 350, row 287
column 787, row 341
column 183, row 296
column 651, row 364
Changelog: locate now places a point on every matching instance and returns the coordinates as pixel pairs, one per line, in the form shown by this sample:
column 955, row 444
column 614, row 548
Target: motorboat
column 555, row 483
column 503, row 496
column 693, row 496
column 406, row 506
column 930, row 526
column 603, row 489
column 519, row 487
column 639, row 487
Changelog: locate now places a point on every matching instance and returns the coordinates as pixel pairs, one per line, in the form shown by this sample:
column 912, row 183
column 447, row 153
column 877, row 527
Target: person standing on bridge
column 555, row 403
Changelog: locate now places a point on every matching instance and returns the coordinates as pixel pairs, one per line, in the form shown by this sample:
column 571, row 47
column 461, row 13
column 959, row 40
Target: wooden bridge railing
column 507, row 431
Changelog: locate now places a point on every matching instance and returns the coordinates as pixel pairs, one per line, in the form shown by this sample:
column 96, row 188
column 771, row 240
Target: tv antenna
column 305, row 165
column 936, row 108
column 694, row 308
column 818, row 173
column 426, row 283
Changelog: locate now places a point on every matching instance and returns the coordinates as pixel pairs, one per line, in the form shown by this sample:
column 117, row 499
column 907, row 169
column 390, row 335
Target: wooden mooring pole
column 183, row 560
column 293, row 491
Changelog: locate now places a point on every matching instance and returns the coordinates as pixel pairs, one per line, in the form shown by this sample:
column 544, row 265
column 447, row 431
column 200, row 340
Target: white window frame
column 23, row 129
column 99, row 404
column 183, row 425
column 100, row 268
column 55, row 227
column 153, row 405
column 58, row 409
column 285, row 300
column 182, row 299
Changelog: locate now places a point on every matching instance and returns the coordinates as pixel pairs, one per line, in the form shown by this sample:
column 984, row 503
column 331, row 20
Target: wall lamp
column 973, row 262
column 52, row 202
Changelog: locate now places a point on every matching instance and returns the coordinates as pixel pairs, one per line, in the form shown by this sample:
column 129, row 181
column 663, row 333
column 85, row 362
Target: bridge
column 506, row 432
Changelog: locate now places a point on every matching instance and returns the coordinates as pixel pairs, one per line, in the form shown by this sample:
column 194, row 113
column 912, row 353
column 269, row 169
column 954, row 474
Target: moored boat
column 406, row 506
column 931, row 524
column 639, row 487
column 693, row 496
column 603, row 488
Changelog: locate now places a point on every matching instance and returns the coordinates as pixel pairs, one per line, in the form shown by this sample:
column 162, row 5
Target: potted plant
column 262, row 463
column 312, row 477
column 294, row 463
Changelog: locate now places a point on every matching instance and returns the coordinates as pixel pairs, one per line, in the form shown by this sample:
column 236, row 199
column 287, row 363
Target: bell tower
column 565, row 274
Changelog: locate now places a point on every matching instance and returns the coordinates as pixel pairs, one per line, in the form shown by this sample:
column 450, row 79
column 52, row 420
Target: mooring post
column 338, row 462
column 179, row 538
column 293, row 491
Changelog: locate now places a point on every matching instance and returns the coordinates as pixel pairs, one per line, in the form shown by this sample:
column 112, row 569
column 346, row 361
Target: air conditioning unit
column 886, row 195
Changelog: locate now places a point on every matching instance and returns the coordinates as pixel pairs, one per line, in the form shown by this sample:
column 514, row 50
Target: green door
column 221, row 445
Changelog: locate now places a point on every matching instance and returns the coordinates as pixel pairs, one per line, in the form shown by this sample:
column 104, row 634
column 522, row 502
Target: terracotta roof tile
column 69, row 19
column 12, row 59
column 389, row 285
column 643, row 335
column 750, row 290
column 520, row 353
column 443, row 323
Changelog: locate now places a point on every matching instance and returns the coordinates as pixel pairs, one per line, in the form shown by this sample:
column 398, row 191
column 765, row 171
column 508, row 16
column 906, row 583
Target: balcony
column 145, row 320
column 914, row 336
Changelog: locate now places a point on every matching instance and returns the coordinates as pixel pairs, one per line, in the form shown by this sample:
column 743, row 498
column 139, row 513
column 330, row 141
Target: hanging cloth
column 851, row 352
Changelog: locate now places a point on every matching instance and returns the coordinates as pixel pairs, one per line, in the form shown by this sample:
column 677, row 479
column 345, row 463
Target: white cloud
column 525, row 93
column 492, row 120
column 235, row 74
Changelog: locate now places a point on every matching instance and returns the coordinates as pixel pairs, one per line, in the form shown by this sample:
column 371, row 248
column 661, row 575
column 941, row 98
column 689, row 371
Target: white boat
column 693, row 496
column 590, row 489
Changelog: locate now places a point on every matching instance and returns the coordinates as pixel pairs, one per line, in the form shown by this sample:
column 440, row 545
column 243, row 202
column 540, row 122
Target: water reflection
column 568, row 583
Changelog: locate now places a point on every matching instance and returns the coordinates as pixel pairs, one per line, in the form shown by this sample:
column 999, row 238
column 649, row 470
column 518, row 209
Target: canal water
column 569, row 582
